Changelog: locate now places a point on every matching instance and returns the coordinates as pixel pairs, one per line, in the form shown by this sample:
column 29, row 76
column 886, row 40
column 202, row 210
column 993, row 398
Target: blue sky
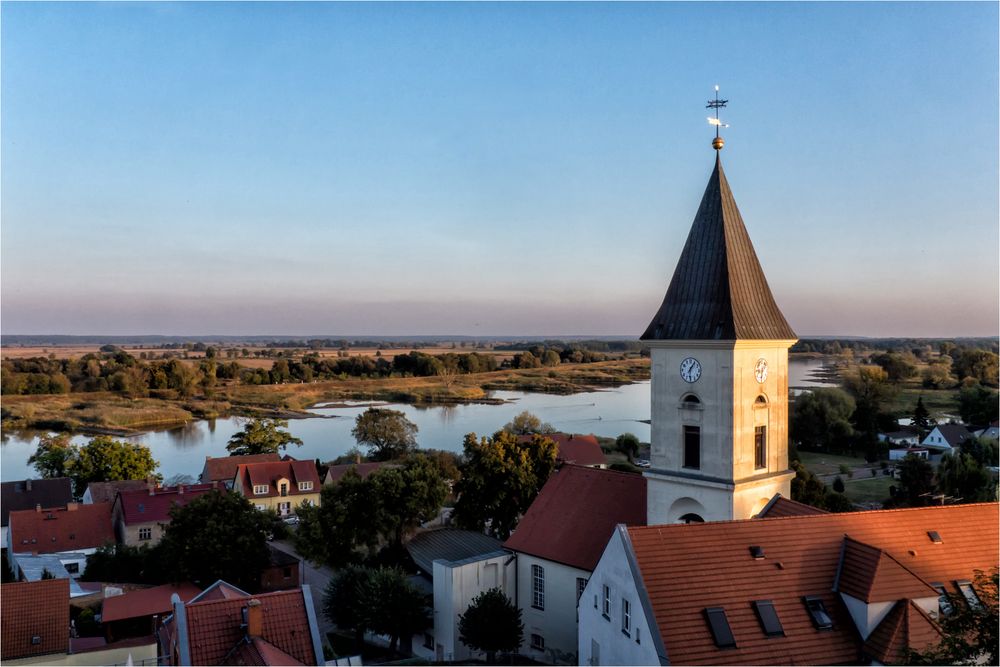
column 490, row 169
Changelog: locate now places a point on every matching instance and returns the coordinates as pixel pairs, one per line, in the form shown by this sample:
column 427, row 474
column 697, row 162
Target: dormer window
column 970, row 595
column 260, row 489
column 817, row 611
column 768, row 618
column 305, row 486
column 944, row 600
column 719, row 624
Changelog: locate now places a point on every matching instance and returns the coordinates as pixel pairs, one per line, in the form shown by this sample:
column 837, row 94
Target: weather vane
column 717, row 104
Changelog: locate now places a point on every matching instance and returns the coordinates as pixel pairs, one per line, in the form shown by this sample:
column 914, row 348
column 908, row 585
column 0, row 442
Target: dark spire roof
column 718, row 291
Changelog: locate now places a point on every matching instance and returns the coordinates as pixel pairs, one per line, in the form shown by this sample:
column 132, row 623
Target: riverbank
column 114, row 414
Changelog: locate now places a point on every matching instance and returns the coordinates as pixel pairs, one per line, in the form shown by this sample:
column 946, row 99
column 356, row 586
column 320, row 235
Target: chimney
column 27, row 485
column 71, row 507
column 180, row 489
column 255, row 618
column 38, row 508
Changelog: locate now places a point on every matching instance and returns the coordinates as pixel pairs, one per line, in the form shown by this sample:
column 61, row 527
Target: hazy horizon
column 502, row 168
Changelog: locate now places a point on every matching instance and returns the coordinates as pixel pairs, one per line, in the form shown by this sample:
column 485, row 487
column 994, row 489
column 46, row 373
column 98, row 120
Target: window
column 428, row 641
column 757, row 552
column 261, row 507
column 934, row 536
column 970, row 594
column 538, row 642
column 768, row 618
column 760, row 447
column 626, row 617
column 72, row 568
column 260, row 489
column 691, row 518
column 761, row 400
column 145, row 533
column 690, row 401
column 637, row 636
column 284, row 488
column 581, row 584
column 944, row 600
column 538, row 587
column 36, row 640
column 692, row 447
column 817, row 611
column 719, row 624
column 286, row 573
column 305, row 486
column 606, row 605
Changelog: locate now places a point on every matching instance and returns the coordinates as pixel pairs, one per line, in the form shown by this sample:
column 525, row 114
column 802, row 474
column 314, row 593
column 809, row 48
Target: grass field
column 827, row 464
column 871, row 490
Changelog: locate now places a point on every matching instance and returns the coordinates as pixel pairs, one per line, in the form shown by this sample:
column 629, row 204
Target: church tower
column 719, row 349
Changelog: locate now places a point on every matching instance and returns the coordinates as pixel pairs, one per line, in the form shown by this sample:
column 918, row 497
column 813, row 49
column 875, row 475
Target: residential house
column 223, row 469
column 459, row 565
column 900, row 453
column 136, row 613
column 581, row 450
column 279, row 485
column 945, row 438
column 141, row 517
column 35, row 620
column 226, row 626
column 57, row 540
column 106, row 492
column 283, row 572
column 819, row 589
column 908, row 436
column 991, row 432
column 25, row 494
column 335, row 472
column 558, row 543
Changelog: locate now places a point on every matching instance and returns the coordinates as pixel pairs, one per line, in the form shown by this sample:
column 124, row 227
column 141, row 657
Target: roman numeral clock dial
column 690, row 369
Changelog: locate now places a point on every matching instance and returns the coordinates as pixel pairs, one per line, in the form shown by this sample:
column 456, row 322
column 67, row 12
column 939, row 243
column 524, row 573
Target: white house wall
column 605, row 633
column 556, row 623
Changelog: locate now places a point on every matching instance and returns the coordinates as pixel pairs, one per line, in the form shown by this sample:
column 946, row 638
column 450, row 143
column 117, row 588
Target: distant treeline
column 915, row 345
column 620, row 346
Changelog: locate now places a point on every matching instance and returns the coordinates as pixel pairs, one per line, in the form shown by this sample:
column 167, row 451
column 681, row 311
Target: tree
column 105, row 459
column 500, row 478
column 916, row 478
column 406, row 497
column 984, row 451
column 628, row 444
column 821, row 419
column 837, row 502
column 121, row 563
column 962, row 476
column 219, row 535
column 345, row 601
column 871, row 390
column 261, row 436
column 982, row 365
column 897, row 366
column 978, row 405
column 921, row 417
column 491, row 624
column 838, row 484
column 969, row 632
column 52, row 456
column 388, row 434
column 527, row 424
column 938, row 375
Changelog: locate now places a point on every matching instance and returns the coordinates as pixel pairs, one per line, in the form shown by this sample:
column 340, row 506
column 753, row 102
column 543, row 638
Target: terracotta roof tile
column 27, row 493
column 253, row 474
column 145, row 506
column 576, row 512
column 781, row 506
column 34, row 609
column 214, row 627
column 334, row 473
column 145, row 602
column 870, row 574
column 57, row 529
column 686, row 568
column 906, row 627
column 223, row 468
column 718, row 290
column 583, row 450
column 258, row 651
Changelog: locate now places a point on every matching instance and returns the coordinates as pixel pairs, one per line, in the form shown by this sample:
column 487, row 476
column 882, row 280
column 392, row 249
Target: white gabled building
column 945, row 438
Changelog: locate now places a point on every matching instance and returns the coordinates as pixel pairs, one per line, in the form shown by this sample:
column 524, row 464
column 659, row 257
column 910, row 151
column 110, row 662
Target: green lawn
column 938, row 402
column 822, row 464
column 871, row 490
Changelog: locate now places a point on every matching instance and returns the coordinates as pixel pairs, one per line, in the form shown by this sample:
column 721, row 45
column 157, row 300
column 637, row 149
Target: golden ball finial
column 718, row 143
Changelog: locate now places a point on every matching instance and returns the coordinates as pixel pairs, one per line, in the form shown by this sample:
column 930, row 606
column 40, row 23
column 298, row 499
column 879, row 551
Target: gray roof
column 718, row 291
column 448, row 544
column 954, row 434
column 26, row 493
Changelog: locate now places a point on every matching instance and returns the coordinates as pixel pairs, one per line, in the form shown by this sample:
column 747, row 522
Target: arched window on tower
column 761, row 401
column 690, row 401
column 691, row 518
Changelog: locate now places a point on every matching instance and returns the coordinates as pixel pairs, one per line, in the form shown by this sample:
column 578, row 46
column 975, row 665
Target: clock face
column 760, row 370
column 690, row 369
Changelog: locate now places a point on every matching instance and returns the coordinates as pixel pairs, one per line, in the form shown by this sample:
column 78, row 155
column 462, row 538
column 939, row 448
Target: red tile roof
column 155, row 506
column 69, row 528
column 781, row 506
column 334, row 473
column 576, row 512
column 105, row 492
column 870, row 574
column 583, row 450
column 268, row 474
column 907, row 626
column 34, row 609
column 223, row 468
column 257, row 651
column 214, row 627
column 220, row 590
column 686, row 568
column 145, row 602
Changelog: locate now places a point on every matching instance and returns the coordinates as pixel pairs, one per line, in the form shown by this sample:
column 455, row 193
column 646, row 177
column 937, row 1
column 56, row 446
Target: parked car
column 291, row 520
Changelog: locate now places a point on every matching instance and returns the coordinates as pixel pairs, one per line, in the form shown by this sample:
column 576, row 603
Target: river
column 608, row 412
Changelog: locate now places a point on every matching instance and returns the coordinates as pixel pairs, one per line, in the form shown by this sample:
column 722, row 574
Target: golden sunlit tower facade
column 719, row 347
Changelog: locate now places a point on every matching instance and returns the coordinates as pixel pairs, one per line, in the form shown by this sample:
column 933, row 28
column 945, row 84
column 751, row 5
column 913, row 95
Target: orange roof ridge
column 877, row 580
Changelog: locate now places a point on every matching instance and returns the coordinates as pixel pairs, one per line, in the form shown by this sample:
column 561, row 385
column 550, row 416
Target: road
column 317, row 578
